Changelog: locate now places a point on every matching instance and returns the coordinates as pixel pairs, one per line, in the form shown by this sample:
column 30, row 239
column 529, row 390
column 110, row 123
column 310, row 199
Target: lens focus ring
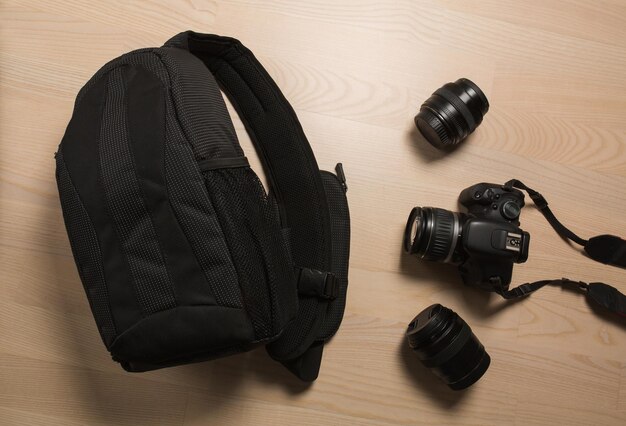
column 443, row 235
column 433, row 234
column 446, row 345
column 452, row 113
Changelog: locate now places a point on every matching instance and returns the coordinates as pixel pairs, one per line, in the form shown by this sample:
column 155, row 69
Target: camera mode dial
column 492, row 201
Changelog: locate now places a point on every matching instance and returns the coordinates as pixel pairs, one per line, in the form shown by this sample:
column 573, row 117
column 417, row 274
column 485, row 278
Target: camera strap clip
column 599, row 294
column 537, row 198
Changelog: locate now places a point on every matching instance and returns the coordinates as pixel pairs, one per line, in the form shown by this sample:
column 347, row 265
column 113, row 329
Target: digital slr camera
column 484, row 243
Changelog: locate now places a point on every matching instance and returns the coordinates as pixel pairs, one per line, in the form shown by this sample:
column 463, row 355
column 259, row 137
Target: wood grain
column 355, row 72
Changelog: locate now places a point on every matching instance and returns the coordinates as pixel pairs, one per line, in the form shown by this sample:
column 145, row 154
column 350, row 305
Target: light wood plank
column 356, row 73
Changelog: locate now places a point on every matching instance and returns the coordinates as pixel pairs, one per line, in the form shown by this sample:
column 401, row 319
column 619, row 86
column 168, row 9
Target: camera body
column 492, row 239
column 485, row 242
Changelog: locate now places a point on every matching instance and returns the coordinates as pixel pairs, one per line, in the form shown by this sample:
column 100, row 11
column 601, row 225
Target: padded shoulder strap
column 295, row 182
column 292, row 171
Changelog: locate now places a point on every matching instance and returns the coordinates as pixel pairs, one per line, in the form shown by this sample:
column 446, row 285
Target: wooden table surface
column 356, row 73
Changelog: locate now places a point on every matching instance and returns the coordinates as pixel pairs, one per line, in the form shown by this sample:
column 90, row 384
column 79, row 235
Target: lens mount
column 452, row 112
column 445, row 344
column 433, row 234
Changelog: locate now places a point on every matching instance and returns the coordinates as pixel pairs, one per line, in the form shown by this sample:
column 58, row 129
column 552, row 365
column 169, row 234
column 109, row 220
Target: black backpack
column 183, row 255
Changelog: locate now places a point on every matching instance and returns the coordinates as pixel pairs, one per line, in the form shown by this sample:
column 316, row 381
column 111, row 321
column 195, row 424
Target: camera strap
column 608, row 249
column 598, row 294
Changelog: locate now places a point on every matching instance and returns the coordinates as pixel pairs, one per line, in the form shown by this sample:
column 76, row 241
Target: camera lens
column 452, row 112
column 434, row 234
column 446, row 345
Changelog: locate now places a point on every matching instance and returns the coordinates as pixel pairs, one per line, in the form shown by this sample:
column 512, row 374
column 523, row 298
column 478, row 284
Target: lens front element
column 433, row 234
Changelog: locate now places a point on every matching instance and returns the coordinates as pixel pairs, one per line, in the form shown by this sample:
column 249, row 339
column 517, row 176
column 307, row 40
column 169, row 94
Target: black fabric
column 222, row 163
column 197, row 101
column 277, row 135
column 307, row 365
column 146, row 126
column 249, row 221
column 196, row 215
column 201, row 108
column 599, row 294
column 174, row 233
column 80, row 152
column 607, row 297
column 183, row 334
column 525, row 289
column 86, row 250
column 126, row 204
column 607, row 249
column 144, row 57
column 289, row 164
column 303, row 332
column 335, row 187
column 542, row 205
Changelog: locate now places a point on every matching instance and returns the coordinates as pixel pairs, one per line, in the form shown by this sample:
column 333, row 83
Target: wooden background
column 356, row 72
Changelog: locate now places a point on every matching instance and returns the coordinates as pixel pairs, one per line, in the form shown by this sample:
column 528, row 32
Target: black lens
column 452, row 112
column 434, row 234
column 446, row 345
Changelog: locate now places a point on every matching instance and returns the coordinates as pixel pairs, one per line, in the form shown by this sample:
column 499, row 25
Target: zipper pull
column 342, row 176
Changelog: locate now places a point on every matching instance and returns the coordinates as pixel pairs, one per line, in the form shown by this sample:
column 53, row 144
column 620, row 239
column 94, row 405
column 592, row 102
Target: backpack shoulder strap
column 295, row 182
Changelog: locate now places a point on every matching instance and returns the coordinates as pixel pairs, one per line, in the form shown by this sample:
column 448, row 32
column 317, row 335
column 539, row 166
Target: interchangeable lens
column 452, row 112
column 433, row 234
column 446, row 345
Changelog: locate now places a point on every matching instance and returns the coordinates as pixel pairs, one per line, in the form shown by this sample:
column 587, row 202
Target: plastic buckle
column 580, row 285
column 314, row 283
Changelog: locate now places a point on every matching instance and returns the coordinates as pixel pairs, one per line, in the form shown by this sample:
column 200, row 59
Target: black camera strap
column 598, row 294
column 608, row 249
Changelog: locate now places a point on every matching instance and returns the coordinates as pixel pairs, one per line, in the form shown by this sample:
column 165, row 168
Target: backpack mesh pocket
column 251, row 227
